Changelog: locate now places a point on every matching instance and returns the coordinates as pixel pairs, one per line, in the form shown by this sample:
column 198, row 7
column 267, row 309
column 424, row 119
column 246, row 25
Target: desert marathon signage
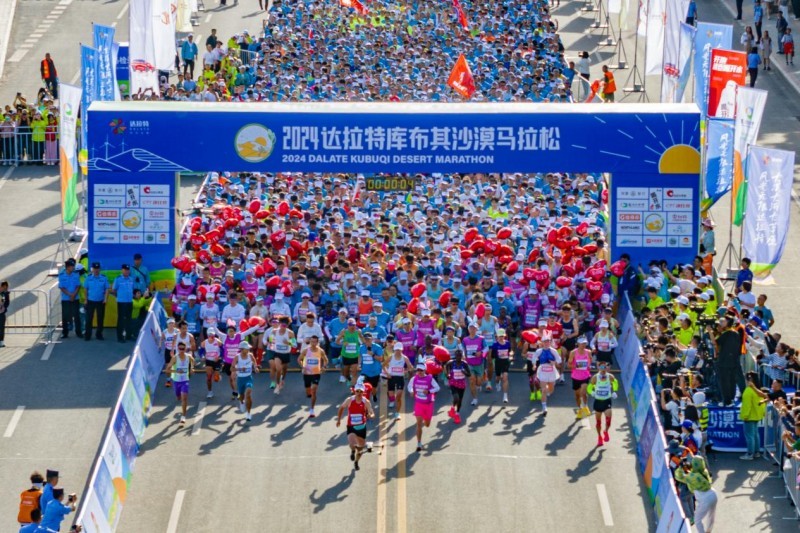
column 651, row 151
column 413, row 138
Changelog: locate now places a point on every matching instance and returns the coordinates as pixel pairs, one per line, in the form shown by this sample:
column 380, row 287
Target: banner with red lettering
column 728, row 71
column 355, row 4
column 461, row 79
column 462, row 17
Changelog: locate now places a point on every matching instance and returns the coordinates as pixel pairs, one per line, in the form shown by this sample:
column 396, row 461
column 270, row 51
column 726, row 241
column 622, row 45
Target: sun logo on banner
column 254, row 143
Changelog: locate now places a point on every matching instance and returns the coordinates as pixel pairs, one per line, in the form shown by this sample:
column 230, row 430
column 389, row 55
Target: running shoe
column 579, row 414
column 505, row 398
column 183, row 420
column 271, row 384
column 605, row 436
column 599, row 440
column 498, row 386
column 457, row 418
column 391, row 405
column 311, row 413
column 248, row 417
column 586, row 411
column 355, row 465
column 488, row 387
column 474, row 402
column 277, row 390
column 168, row 384
column 397, row 416
column 561, row 380
column 352, row 455
column 342, row 379
column 538, row 395
column 533, row 396
column 234, row 395
column 419, row 446
column 452, row 412
column 241, row 407
column 210, row 394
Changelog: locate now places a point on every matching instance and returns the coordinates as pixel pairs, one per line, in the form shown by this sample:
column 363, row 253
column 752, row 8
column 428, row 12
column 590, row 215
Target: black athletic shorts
column 167, row 356
column 577, row 383
column 601, row 406
column 397, row 383
column 216, row 365
column 604, row 357
column 360, row 433
column 349, row 361
column 226, row 369
column 374, row 381
column 501, row 366
column 310, row 379
column 284, row 357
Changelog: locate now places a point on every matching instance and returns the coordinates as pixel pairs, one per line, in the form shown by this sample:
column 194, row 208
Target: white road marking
column 23, row 46
column 12, row 425
column 122, row 13
column 51, row 16
column 37, row 35
column 65, row 2
column 17, row 56
column 122, row 364
column 585, row 422
column 48, row 351
column 197, row 425
column 608, row 520
column 208, row 18
column 6, row 175
column 32, row 40
column 75, row 77
column 172, row 526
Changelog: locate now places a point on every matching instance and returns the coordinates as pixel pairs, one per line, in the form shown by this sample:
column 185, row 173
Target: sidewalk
column 790, row 72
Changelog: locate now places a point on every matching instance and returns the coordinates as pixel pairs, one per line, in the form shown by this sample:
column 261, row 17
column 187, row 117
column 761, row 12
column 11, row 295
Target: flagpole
column 634, row 75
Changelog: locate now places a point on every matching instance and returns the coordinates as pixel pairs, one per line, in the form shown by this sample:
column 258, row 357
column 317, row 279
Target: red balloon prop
column 413, row 306
column 470, row 235
column 283, row 208
column 444, row 298
column 552, row 236
column 202, row 292
column 259, row 271
column 564, row 232
column 466, row 254
column 528, row 274
column 278, row 239
column 582, row 228
column 512, row 268
column 480, row 310
column 197, row 240
column 505, row 259
column 596, row 273
column 261, row 215
column 477, row 246
column 594, row 286
column 269, row 266
column 590, row 248
column 531, row 336
column 274, row 282
column 204, row 257
column 504, row 249
column 254, row 207
column 297, row 245
column 562, row 282
column 569, row 270
column 332, row 256
column 418, row 290
column 441, row 354
column 491, row 247
column 293, row 253
column 295, row 213
column 256, row 321
column 217, row 249
column 617, row 268
column 244, row 325
column 533, row 256
column 504, row 233
column 432, row 367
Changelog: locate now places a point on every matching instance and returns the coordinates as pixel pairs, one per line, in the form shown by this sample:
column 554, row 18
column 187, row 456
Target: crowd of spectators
column 29, row 130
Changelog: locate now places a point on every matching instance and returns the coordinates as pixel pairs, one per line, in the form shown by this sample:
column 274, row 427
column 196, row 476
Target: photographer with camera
column 680, row 457
column 56, row 511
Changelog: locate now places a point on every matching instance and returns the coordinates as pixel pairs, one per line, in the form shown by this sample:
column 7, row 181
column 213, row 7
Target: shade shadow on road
column 334, row 494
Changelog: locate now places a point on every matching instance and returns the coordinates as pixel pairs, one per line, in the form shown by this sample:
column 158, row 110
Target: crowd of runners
column 449, row 285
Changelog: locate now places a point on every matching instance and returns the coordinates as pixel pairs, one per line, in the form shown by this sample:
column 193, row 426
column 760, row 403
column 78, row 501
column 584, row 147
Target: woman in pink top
column 580, row 360
column 423, row 388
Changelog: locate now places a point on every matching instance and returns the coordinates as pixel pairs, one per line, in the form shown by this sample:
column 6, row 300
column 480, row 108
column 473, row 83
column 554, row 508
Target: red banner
column 461, row 79
column 355, row 4
column 462, row 17
column 728, row 71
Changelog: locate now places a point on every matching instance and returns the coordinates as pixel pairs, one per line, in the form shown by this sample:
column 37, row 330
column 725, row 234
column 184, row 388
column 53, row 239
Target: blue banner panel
column 655, row 220
column 389, row 137
column 131, row 214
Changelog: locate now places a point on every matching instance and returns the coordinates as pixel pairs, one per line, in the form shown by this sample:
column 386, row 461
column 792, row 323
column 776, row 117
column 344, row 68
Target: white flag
column 141, row 56
column 184, row 21
column 164, row 16
column 654, row 58
column 614, row 6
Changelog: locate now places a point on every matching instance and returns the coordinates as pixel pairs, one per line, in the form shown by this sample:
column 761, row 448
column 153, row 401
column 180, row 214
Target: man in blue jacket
column 189, row 54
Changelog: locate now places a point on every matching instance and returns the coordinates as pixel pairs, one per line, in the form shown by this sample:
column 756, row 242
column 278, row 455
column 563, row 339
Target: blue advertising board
column 123, row 74
column 128, row 216
column 653, row 146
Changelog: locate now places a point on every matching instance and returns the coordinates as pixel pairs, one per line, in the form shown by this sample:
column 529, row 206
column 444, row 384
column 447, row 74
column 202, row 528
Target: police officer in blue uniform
column 97, row 287
column 69, row 283
column 123, row 290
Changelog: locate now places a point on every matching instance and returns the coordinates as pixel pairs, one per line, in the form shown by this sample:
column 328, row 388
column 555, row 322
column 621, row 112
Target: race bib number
column 458, row 374
column 367, row 359
column 356, row 419
column 421, row 394
column 502, row 354
column 312, row 362
column 350, row 347
column 548, row 368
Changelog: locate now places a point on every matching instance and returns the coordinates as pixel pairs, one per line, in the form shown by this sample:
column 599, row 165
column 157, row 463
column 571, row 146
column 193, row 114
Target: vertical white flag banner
column 644, row 8
column 656, row 21
column 141, row 55
column 623, row 16
column 184, row 20
column 164, row 15
column 750, row 105
column 675, row 14
column 614, row 6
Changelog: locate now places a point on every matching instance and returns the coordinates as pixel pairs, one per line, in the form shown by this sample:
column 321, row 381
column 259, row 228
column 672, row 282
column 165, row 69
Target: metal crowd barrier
column 32, row 312
column 19, row 148
column 790, row 473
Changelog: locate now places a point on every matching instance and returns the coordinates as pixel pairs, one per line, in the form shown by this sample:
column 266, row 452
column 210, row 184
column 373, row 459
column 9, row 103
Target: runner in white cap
column 244, row 364
column 423, row 388
column 212, row 350
column 396, row 368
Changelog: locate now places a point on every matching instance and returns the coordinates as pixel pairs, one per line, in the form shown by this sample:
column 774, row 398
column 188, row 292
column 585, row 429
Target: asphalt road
column 503, row 468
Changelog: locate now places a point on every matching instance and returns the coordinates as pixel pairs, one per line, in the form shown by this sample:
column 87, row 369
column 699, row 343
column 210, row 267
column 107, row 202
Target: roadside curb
column 7, row 10
column 791, row 77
